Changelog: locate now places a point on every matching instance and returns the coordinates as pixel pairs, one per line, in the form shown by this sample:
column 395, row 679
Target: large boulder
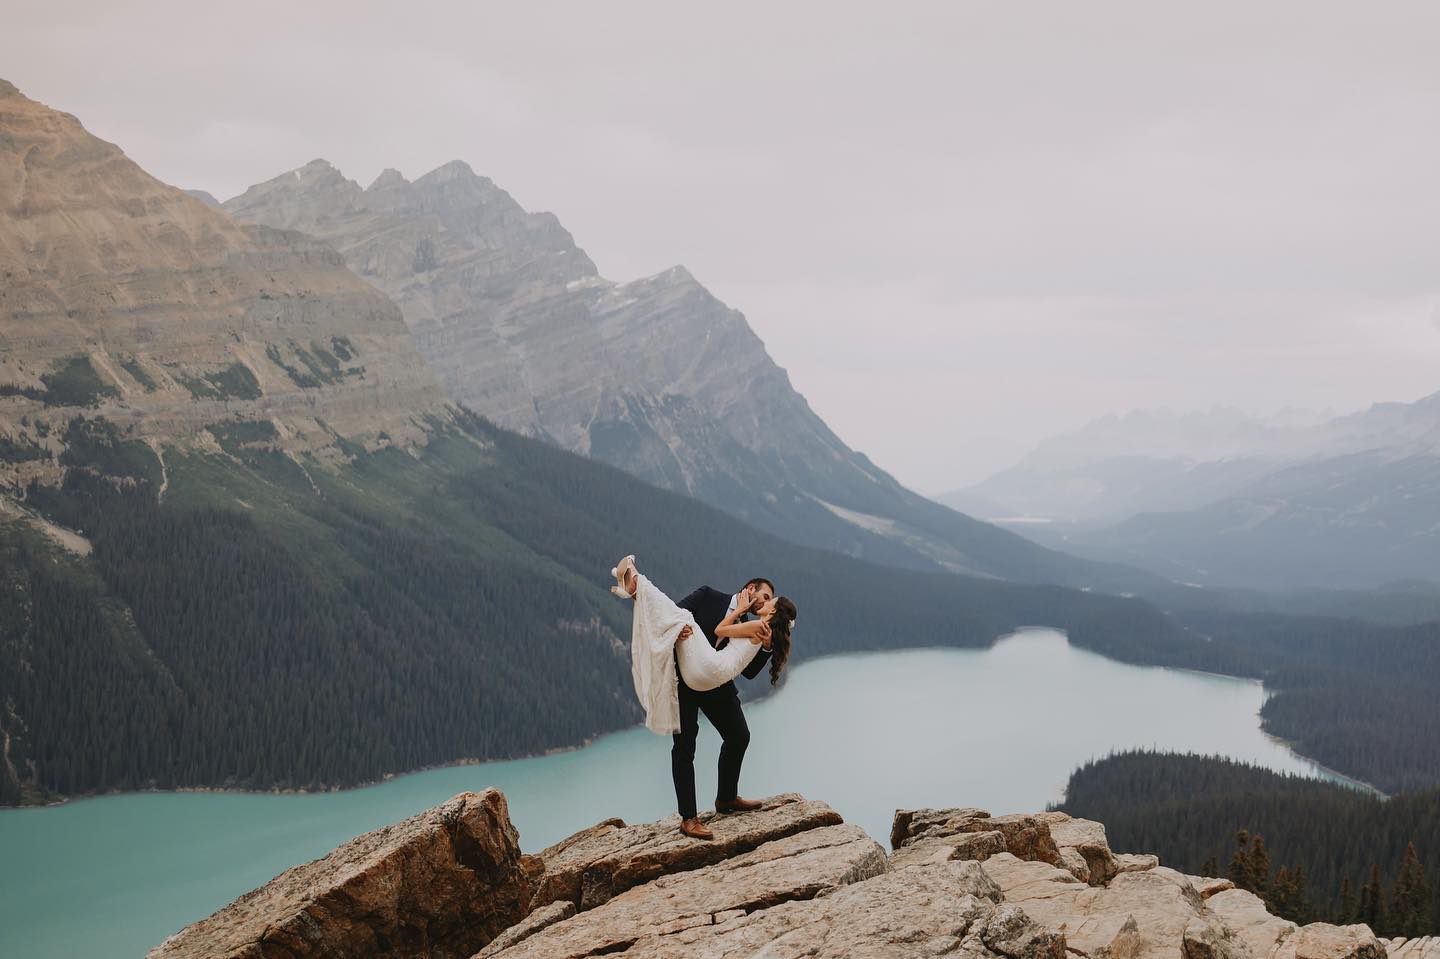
column 1245, row 913
column 593, row 866
column 441, row 884
column 1321, row 940
column 797, row 867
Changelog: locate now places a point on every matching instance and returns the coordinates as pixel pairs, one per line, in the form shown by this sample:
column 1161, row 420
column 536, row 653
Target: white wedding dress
column 658, row 622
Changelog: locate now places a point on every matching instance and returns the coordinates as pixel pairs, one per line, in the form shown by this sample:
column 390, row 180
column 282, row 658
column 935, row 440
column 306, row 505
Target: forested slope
column 278, row 622
column 1313, row 850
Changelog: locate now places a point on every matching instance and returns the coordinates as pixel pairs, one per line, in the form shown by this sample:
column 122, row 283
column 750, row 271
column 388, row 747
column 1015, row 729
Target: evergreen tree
column 1410, row 898
column 1372, row 902
column 1259, row 867
column 1301, row 911
column 1211, row 867
column 1281, row 900
column 1239, row 870
column 1346, row 908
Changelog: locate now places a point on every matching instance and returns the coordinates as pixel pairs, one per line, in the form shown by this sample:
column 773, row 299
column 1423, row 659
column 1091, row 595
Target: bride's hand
column 747, row 601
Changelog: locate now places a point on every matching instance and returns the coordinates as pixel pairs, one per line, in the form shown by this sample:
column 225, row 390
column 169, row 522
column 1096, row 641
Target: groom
column 720, row 705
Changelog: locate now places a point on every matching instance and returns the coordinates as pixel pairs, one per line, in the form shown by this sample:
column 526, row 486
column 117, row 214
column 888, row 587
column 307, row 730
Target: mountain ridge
column 655, row 375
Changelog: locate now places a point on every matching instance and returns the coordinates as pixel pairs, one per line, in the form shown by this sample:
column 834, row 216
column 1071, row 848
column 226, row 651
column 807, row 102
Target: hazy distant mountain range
column 655, row 376
column 1119, row 465
column 1225, row 499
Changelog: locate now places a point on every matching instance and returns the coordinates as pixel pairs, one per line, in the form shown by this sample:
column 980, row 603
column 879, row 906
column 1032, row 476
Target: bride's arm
column 730, row 627
column 755, row 631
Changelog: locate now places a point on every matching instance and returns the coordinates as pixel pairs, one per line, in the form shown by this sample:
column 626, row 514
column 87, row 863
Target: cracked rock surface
column 796, row 867
column 599, row 863
column 790, row 879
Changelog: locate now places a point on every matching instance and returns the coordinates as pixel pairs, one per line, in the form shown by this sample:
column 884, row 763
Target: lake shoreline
column 997, row 728
column 592, row 740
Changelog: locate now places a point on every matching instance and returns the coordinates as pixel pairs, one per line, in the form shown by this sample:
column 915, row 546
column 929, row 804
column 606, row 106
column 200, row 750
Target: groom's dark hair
column 760, row 581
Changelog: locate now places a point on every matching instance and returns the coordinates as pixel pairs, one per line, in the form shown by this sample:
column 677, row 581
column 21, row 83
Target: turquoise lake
column 1000, row 728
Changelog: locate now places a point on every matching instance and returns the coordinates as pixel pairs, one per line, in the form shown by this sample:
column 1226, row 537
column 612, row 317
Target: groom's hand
column 684, row 634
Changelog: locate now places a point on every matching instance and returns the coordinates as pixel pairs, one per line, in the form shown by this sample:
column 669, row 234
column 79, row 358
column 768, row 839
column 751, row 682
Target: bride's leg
column 660, row 605
column 624, row 573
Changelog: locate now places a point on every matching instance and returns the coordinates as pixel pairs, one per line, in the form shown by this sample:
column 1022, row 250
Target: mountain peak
column 8, row 89
column 389, row 177
column 318, row 177
column 454, row 170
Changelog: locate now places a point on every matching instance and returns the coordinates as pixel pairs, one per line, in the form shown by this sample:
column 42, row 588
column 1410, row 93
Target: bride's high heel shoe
column 626, row 565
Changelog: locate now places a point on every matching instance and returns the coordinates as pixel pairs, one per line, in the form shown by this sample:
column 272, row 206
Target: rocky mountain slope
column 124, row 298
column 655, row 376
column 788, row 880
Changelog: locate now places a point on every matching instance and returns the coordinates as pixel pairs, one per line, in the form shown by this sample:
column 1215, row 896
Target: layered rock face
column 655, row 376
column 126, row 298
column 788, row 880
column 440, row 884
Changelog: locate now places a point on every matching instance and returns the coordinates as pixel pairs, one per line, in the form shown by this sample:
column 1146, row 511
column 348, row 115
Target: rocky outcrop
column 1077, row 845
column 124, row 298
column 592, row 867
column 440, row 884
column 1084, row 850
column 788, row 880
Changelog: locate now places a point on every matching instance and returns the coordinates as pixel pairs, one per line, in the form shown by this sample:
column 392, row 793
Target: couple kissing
column 684, row 658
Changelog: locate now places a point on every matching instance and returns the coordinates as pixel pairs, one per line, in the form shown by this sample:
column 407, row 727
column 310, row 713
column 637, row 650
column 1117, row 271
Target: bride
column 663, row 634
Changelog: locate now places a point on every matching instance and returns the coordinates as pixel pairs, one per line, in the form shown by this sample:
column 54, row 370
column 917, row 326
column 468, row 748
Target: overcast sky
column 960, row 226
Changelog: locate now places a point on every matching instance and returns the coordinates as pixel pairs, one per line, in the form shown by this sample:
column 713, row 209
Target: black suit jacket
column 708, row 606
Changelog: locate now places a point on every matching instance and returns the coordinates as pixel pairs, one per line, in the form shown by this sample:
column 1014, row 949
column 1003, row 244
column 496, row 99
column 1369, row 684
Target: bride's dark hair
column 781, row 622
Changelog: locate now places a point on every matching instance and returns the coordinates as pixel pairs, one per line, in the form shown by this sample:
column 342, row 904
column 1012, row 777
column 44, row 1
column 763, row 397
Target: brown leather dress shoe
column 737, row 805
column 695, row 829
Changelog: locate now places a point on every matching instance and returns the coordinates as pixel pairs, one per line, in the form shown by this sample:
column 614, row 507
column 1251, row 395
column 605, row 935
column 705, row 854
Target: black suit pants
column 722, row 707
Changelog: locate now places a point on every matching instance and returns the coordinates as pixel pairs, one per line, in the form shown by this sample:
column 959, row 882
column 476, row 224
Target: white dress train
column 658, row 622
